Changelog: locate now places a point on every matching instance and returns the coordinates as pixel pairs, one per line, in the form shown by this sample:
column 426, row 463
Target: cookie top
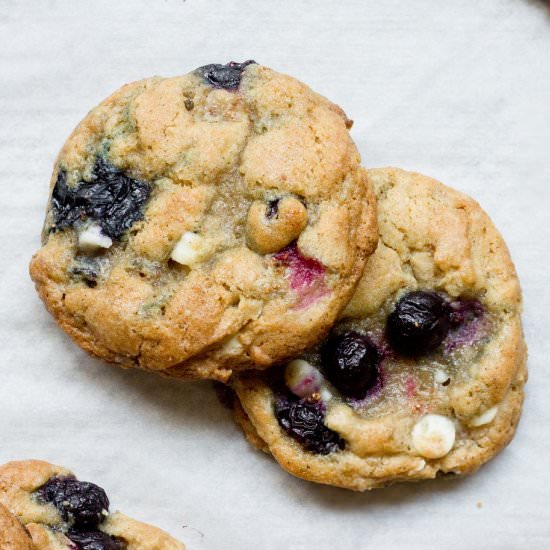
column 59, row 512
column 423, row 373
column 199, row 224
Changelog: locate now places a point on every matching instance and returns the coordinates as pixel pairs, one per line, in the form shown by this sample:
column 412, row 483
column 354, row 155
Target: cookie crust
column 13, row 536
column 431, row 237
column 217, row 163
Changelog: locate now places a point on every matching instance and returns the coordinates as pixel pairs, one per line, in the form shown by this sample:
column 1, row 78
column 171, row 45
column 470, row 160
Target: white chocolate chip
column 419, row 466
column 91, row 238
column 433, row 435
column 191, row 249
column 302, row 379
column 484, row 417
column 232, row 346
column 325, row 393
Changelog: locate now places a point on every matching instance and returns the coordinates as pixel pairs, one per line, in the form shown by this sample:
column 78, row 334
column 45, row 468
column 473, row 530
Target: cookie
column 422, row 376
column 13, row 536
column 206, row 223
column 55, row 511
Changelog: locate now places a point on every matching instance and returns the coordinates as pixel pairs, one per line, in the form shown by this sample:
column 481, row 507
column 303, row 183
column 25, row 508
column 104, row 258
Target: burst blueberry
column 304, row 421
column 419, row 322
column 95, row 540
column 80, row 503
column 350, row 362
column 111, row 198
column 226, row 76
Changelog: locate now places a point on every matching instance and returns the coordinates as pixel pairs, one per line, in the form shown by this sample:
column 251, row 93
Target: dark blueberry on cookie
column 350, row 362
column 95, row 540
column 80, row 503
column 304, row 421
column 419, row 322
column 272, row 209
column 110, row 198
column 226, row 76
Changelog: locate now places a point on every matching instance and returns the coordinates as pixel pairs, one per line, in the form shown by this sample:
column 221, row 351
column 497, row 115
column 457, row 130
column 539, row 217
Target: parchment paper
column 459, row 90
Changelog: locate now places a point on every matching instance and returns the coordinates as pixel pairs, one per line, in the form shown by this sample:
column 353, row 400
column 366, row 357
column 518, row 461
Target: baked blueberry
column 272, row 208
column 95, row 540
column 303, row 421
column 82, row 504
column 226, row 76
column 419, row 322
column 350, row 361
column 112, row 199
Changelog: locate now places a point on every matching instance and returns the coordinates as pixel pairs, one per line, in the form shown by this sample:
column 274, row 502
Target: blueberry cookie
column 52, row 510
column 423, row 374
column 199, row 224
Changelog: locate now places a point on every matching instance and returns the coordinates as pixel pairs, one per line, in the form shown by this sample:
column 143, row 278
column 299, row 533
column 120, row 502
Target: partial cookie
column 13, row 536
column 206, row 223
column 423, row 374
column 59, row 512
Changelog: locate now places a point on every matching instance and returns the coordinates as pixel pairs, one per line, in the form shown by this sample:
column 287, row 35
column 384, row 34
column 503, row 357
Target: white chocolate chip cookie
column 423, row 373
column 226, row 205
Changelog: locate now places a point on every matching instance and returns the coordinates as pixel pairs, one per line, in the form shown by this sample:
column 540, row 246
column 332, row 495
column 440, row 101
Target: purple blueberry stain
column 227, row 77
column 111, row 198
column 306, row 275
column 463, row 311
column 303, row 420
column 469, row 324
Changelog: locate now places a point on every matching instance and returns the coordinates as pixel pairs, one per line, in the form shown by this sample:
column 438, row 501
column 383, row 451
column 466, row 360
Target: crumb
column 479, row 504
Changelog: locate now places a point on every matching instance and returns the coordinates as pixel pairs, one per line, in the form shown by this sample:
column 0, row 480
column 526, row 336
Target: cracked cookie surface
column 206, row 223
column 44, row 507
column 422, row 375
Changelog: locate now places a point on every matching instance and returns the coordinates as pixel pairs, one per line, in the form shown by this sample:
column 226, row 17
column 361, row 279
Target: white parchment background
column 459, row 90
